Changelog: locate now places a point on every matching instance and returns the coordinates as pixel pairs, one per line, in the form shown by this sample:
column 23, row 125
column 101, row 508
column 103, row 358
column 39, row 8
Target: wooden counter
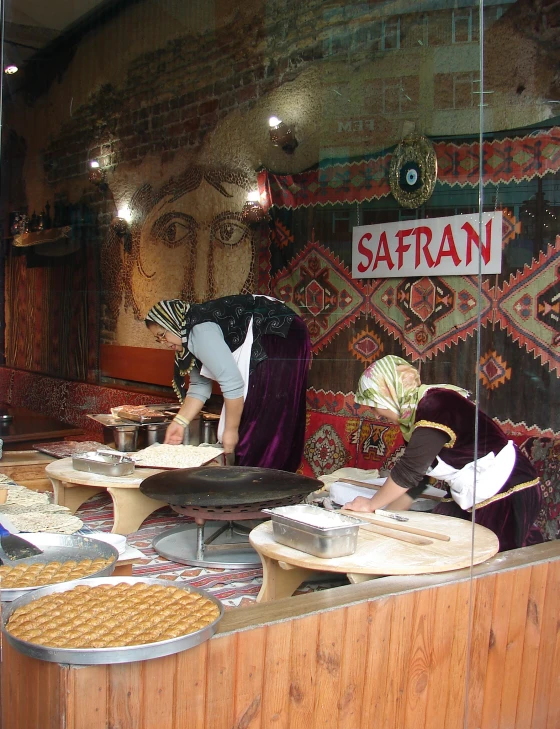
column 27, row 468
column 29, row 427
column 388, row 653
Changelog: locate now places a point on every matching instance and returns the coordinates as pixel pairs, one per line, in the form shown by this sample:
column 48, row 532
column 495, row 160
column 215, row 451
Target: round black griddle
column 226, row 486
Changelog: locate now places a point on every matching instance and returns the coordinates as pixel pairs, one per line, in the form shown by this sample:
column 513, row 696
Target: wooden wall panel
column 391, row 660
column 138, row 364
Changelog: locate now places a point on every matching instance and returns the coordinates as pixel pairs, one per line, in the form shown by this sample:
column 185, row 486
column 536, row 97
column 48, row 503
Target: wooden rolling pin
column 388, row 533
column 376, row 488
column 397, row 527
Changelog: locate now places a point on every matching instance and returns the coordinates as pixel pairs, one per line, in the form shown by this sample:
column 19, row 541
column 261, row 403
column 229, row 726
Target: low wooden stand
column 27, row 468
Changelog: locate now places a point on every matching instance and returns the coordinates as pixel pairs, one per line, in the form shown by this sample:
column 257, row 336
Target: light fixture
column 121, row 224
column 281, row 135
column 94, row 164
column 11, row 69
column 253, row 211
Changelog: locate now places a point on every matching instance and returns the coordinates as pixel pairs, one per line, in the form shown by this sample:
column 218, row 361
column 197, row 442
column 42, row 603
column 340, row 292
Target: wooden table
column 72, row 488
column 28, row 427
column 284, row 568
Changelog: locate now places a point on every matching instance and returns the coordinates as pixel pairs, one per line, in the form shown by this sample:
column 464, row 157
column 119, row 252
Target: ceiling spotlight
column 281, row 135
column 11, row 69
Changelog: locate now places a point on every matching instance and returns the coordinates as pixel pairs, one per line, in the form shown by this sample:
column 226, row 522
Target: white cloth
column 242, row 357
column 492, row 471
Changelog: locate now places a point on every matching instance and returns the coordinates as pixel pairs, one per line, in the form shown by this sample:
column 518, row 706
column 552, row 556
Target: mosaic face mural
column 187, row 240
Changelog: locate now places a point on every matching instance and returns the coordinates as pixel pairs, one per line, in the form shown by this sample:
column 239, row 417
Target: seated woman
column 258, row 350
column 438, row 422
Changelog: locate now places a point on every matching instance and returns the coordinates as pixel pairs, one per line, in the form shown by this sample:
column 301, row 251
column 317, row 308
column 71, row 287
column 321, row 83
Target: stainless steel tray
column 61, row 548
column 104, row 463
column 314, row 530
column 95, row 656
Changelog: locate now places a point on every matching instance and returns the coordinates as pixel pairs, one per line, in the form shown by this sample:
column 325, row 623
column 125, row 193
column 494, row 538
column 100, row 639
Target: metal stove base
column 181, row 544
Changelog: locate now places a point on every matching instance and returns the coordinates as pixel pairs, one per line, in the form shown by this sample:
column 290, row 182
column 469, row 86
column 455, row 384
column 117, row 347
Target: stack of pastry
column 35, row 574
column 112, row 615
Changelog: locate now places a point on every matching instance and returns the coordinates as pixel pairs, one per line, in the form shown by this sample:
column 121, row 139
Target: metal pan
column 103, row 462
column 61, row 548
column 96, row 656
column 225, row 485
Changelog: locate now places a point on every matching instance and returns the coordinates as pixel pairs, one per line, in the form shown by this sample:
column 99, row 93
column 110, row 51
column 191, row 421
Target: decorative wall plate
column 413, row 171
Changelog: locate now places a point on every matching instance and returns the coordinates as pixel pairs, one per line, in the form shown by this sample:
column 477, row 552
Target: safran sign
column 451, row 246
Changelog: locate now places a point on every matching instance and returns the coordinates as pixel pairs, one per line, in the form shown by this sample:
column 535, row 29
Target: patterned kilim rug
column 235, row 588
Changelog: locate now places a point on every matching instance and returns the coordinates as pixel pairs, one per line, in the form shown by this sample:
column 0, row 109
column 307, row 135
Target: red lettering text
column 365, row 251
column 423, row 230
column 472, row 237
column 401, row 247
column 451, row 250
column 383, row 253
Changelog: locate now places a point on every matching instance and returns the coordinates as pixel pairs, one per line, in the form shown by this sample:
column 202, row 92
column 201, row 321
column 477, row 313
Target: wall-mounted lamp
column 121, row 224
column 281, row 135
column 253, row 211
column 96, row 175
column 11, row 69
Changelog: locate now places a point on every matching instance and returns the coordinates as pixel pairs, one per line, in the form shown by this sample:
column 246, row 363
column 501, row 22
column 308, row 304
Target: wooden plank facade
column 389, row 653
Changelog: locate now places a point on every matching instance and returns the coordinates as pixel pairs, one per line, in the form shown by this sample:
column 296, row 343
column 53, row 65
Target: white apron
column 492, row 471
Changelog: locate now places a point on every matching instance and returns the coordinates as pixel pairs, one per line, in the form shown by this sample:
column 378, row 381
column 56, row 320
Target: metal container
column 155, row 433
column 61, row 548
column 103, row 463
column 126, row 437
column 193, row 433
column 96, row 656
column 209, row 432
column 316, row 531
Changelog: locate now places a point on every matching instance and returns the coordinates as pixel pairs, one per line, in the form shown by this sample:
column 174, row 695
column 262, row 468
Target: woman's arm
column 420, row 453
column 389, row 492
column 188, row 411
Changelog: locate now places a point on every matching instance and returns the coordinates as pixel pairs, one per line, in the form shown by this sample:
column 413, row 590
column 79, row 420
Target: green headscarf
column 170, row 314
column 393, row 384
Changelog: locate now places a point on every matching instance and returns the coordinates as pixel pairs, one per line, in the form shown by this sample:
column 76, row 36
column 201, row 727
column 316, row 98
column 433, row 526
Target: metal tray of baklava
column 62, row 548
column 124, row 654
column 103, row 462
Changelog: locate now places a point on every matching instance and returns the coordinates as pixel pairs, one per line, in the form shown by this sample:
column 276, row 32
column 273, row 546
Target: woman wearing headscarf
column 258, row 350
column 438, row 423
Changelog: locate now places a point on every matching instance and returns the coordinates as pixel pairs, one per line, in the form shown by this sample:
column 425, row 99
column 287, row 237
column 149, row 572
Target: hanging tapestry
column 430, row 321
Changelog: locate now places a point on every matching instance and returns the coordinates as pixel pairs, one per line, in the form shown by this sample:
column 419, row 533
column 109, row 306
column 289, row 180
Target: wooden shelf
column 52, row 235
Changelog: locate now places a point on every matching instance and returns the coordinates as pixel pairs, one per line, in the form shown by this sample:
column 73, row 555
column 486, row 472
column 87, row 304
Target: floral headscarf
column 170, row 314
column 392, row 384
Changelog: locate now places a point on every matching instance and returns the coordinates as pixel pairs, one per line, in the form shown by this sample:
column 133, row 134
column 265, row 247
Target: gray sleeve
column 206, row 342
column 199, row 387
column 419, row 454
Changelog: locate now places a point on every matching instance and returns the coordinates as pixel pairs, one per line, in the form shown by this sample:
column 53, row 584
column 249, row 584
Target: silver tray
column 61, row 548
column 332, row 534
column 96, row 656
column 104, row 463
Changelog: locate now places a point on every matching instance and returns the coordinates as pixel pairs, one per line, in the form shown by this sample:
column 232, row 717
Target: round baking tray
column 61, row 548
column 96, row 656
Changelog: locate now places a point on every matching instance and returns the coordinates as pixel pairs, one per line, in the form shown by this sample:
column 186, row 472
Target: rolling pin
column 374, row 529
column 397, row 527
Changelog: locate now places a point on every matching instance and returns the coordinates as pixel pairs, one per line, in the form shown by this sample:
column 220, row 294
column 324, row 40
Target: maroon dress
column 510, row 513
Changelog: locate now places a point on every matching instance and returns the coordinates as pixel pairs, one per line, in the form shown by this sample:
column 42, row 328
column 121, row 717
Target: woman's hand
column 230, row 439
column 360, row 503
column 174, row 434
